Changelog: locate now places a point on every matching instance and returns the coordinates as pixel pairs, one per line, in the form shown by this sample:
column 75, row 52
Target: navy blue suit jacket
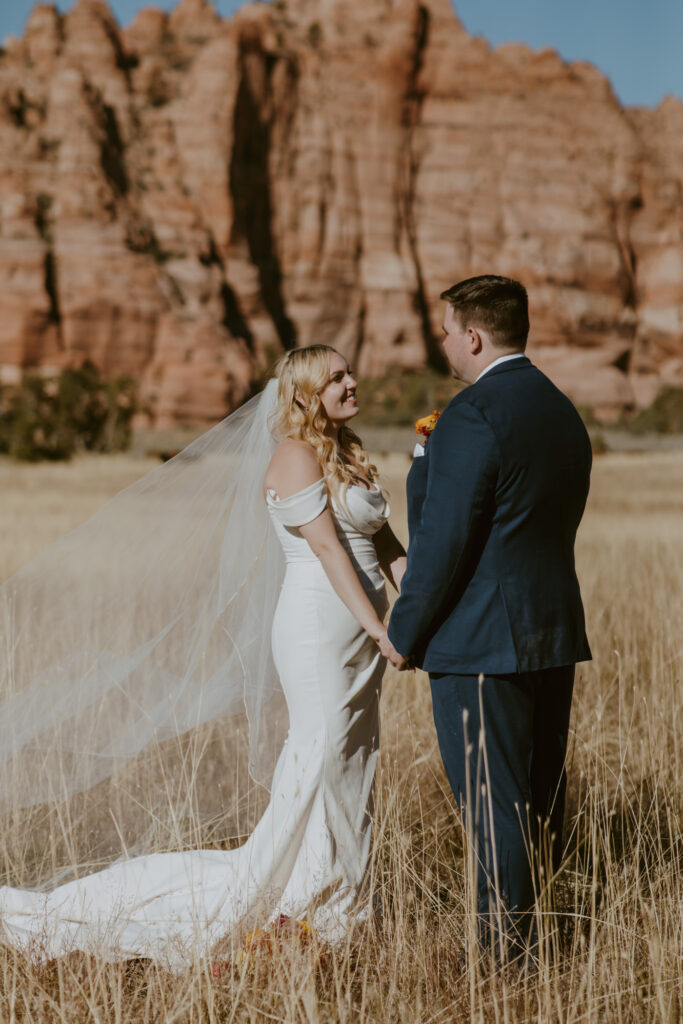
column 493, row 510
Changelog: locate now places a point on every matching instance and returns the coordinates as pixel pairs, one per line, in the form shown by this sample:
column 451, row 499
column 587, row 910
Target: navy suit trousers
column 524, row 726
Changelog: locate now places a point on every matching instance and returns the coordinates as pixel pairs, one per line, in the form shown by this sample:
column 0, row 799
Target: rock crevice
column 250, row 184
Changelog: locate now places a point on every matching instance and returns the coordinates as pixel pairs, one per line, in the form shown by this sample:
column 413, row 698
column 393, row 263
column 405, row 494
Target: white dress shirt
column 501, row 359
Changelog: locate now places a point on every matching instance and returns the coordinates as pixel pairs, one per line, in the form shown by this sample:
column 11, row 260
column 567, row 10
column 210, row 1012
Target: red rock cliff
column 184, row 196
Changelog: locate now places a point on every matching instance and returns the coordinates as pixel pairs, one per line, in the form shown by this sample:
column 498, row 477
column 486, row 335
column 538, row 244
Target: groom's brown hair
column 498, row 305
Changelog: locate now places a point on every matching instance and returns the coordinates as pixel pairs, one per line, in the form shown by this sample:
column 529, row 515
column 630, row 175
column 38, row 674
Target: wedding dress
column 309, row 852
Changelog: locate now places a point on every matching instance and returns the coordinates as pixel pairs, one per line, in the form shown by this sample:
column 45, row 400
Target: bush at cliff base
column 56, row 417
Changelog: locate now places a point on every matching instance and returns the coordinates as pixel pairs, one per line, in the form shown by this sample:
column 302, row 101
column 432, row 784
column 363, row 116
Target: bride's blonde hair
column 302, row 375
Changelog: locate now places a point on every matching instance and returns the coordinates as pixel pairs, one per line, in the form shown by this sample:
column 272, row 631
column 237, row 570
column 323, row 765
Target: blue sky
column 637, row 44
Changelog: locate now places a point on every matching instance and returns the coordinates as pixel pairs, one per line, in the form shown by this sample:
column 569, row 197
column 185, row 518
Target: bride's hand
column 390, row 652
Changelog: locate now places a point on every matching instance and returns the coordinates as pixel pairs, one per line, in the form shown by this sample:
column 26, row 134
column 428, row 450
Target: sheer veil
column 136, row 677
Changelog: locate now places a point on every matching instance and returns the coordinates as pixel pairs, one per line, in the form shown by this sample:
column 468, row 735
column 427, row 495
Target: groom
column 490, row 588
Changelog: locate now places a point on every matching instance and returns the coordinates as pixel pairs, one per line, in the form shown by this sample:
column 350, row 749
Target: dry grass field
column 613, row 952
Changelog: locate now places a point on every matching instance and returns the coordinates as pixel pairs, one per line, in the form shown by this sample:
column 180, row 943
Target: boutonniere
column 427, row 424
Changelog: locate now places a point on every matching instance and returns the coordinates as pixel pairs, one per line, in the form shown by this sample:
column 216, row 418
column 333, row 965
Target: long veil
column 138, row 698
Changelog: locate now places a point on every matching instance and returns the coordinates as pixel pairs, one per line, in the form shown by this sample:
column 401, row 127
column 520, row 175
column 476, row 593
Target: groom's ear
column 475, row 340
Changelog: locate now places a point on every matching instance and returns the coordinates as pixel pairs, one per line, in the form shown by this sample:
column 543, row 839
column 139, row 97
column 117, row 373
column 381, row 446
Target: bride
column 111, row 681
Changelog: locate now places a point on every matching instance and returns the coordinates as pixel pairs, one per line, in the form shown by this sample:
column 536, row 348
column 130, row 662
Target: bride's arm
column 391, row 555
column 322, row 538
column 294, row 467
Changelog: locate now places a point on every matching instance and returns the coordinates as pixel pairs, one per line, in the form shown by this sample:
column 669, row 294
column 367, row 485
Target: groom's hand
column 391, row 654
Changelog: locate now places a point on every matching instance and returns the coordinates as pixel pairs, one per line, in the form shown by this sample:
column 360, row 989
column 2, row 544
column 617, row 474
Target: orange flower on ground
column 257, row 946
column 285, row 929
column 260, row 946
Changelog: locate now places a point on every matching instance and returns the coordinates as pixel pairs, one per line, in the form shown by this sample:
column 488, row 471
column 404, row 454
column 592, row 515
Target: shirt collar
column 501, row 359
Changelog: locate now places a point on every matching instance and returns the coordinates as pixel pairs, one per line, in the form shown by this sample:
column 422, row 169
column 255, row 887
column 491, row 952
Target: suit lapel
column 416, row 489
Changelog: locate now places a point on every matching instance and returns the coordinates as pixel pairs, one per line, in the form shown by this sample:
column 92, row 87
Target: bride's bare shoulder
column 293, row 466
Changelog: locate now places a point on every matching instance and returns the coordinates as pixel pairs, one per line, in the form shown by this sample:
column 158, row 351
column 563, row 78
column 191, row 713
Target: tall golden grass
column 613, row 952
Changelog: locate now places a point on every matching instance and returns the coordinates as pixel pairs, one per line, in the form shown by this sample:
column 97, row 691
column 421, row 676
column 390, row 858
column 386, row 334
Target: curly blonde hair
column 306, row 372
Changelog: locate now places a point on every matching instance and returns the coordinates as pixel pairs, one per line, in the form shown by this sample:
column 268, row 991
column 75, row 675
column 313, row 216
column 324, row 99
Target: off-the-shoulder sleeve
column 302, row 507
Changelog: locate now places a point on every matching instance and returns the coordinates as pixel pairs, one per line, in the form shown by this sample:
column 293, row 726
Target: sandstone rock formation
column 183, row 198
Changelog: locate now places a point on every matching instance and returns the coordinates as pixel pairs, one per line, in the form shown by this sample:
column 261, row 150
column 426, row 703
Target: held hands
column 391, row 654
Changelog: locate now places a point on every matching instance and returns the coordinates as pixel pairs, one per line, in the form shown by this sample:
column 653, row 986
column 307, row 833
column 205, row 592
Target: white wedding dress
column 309, row 852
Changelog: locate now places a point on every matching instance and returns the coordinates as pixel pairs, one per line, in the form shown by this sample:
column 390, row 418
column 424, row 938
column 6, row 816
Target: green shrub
column 55, row 417
column 664, row 416
column 398, row 399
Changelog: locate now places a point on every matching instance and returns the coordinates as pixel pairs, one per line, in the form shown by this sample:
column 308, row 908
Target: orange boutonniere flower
column 427, row 424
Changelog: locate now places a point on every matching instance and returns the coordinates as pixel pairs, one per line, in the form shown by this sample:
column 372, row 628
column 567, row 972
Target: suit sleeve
column 461, row 482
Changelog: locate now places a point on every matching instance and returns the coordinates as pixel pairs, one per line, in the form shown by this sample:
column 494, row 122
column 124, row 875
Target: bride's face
column 338, row 397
